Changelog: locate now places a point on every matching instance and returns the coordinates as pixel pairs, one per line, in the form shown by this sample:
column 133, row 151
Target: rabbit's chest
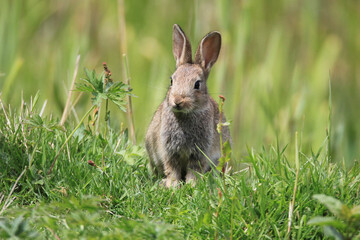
column 186, row 136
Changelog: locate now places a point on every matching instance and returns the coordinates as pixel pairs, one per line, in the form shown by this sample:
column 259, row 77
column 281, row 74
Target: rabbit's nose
column 178, row 102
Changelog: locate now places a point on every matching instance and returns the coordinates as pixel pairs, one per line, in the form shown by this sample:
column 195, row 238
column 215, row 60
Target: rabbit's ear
column 208, row 50
column 181, row 46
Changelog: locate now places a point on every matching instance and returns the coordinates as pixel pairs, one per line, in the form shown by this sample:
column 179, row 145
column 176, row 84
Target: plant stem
column 68, row 101
column 129, row 112
column 105, row 132
column 68, row 138
column 126, row 72
column 292, row 203
column 218, row 209
column 232, row 217
column 328, row 132
column 221, row 103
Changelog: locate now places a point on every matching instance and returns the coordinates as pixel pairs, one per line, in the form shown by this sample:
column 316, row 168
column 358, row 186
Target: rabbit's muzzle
column 180, row 103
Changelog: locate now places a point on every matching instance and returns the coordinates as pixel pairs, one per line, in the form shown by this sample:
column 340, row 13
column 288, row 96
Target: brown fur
column 186, row 120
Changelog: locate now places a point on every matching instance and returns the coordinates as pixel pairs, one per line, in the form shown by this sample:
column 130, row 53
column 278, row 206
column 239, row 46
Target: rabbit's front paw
column 190, row 178
column 169, row 182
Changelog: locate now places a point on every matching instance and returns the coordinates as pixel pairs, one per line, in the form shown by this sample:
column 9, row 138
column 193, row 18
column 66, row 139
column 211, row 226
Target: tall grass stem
column 329, row 120
column 292, row 203
column 129, row 112
column 68, row 101
column 126, row 72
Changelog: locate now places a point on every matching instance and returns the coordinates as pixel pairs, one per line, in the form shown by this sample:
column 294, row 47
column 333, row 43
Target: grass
column 123, row 200
column 285, row 67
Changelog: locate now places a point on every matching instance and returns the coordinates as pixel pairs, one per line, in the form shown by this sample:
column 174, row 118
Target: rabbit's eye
column 197, row 84
column 171, row 81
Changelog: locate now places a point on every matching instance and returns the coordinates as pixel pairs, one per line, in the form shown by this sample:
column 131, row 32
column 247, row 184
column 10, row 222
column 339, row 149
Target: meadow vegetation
column 289, row 72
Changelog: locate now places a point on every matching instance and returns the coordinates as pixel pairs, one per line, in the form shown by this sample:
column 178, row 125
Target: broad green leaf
column 221, row 163
column 226, row 155
column 326, row 221
column 330, row 231
column 334, row 205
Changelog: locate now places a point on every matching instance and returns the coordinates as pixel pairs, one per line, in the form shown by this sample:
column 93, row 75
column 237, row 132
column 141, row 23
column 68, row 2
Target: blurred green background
column 274, row 68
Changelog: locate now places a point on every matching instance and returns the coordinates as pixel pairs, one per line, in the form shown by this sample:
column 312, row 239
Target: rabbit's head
column 188, row 91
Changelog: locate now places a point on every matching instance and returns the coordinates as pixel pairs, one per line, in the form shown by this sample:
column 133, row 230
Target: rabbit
column 182, row 135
